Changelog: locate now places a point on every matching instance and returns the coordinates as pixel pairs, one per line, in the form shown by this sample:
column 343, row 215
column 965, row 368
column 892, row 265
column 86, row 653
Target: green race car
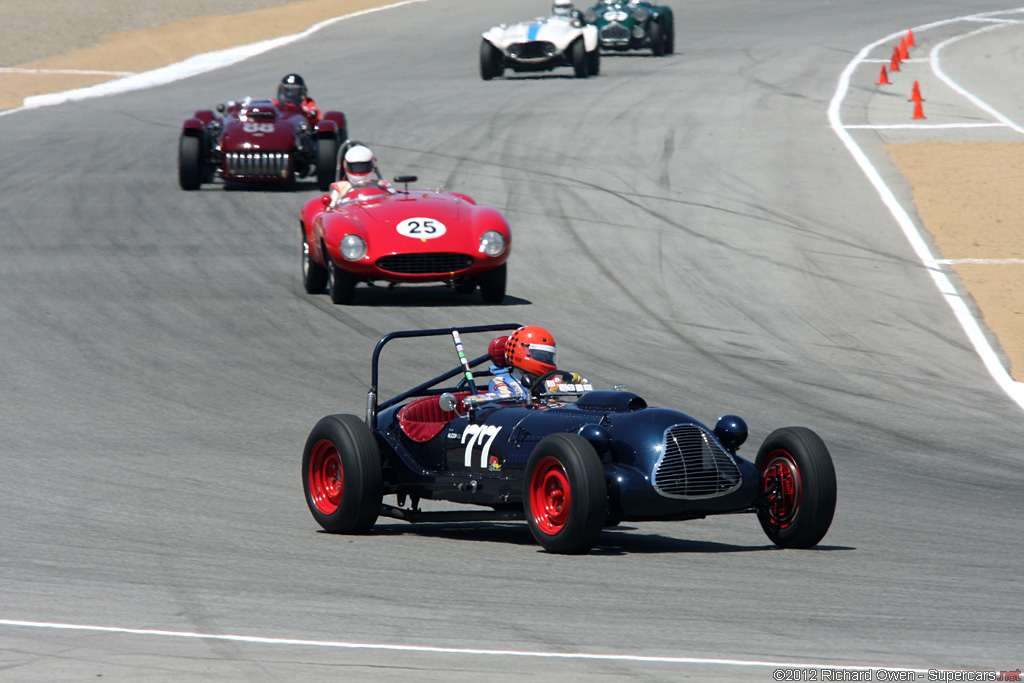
column 633, row 25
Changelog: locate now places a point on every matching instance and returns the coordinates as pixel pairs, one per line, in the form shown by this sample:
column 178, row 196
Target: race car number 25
column 482, row 435
column 421, row 228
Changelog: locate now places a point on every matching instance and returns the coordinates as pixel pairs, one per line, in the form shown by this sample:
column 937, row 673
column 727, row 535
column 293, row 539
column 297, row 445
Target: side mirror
column 325, row 200
column 447, row 402
column 220, row 108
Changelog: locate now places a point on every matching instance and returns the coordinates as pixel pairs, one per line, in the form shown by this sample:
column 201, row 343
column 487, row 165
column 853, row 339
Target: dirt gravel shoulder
column 173, row 31
column 968, row 197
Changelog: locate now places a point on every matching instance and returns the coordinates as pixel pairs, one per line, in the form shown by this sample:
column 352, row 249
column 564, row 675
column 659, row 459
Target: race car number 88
column 421, row 228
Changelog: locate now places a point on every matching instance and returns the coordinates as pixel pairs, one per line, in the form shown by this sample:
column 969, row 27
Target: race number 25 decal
column 421, row 228
column 479, row 434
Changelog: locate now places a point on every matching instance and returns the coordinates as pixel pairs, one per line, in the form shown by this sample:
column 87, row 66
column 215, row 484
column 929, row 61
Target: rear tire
column 492, row 285
column 796, row 466
column 566, row 498
column 578, row 57
column 342, row 475
column 190, row 162
column 314, row 276
column 326, row 162
column 594, row 61
column 341, row 285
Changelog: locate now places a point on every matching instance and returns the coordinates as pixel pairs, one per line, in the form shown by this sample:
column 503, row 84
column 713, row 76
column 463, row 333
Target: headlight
column 492, row 243
column 640, row 14
column 352, row 247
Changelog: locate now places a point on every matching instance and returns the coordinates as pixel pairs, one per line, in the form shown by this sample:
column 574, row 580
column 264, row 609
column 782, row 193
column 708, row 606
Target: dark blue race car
column 567, row 459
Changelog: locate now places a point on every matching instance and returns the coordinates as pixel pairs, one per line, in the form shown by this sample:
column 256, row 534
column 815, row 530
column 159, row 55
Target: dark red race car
column 259, row 141
column 379, row 234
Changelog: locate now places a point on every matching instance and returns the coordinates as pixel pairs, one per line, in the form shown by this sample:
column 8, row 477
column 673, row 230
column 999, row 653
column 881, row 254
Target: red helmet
column 496, row 350
column 532, row 349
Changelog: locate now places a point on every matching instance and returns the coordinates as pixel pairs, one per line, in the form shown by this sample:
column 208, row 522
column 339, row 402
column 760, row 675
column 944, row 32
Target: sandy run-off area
column 59, row 45
column 965, row 193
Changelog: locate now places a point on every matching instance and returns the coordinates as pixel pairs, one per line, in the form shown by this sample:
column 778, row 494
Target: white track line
column 448, row 650
column 209, row 61
column 1015, row 390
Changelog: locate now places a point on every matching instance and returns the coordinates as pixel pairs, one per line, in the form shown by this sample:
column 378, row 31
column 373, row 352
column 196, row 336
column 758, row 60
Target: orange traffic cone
column 910, row 38
column 894, row 64
column 883, row 78
column 903, row 49
column 915, row 94
column 918, row 111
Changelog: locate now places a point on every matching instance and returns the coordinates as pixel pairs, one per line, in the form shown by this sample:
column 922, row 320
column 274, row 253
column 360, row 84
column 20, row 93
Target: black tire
column 594, row 61
column 326, row 162
column 342, row 475
column 797, row 469
column 190, row 162
column 565, row 467
column 490, row 61
column 314, row 276
column 492, row 284
column 341, row 285
column 657, row 39
column 578, row 57
column 670, row 36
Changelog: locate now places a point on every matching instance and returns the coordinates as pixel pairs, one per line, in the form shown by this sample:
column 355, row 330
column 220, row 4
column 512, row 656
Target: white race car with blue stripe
column 541, row 45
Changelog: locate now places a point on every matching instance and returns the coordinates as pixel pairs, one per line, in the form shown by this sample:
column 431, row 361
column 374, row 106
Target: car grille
column 422, row 264
column 615, row 32
column 693, row 465
column 532, row 50
column 259, row 164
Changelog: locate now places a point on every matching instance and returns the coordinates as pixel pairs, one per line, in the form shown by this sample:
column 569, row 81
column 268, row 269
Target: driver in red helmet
column 529, row 353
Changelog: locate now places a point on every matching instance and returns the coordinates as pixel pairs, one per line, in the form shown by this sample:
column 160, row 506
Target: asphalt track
column 689, row 226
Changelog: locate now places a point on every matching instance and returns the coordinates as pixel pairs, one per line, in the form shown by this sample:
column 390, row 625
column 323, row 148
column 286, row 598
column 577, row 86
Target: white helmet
column 359, row 164
column 561, row 8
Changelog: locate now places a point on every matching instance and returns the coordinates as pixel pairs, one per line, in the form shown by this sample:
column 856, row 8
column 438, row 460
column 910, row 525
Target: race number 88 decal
column 479, row 434
column 421, row 228
column 254, row 127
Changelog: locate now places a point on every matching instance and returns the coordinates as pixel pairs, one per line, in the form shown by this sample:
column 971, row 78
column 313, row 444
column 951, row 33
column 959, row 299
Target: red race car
column 376, row 233
column 261, row 141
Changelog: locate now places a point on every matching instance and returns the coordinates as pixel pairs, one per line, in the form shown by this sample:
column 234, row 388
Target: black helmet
column 292, row 89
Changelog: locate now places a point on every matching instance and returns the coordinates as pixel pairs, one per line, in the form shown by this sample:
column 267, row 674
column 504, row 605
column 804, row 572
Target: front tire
column 492, row 285
column 490, row 61
column 341, row 285
column 566, row 498
column 657, row 39
column 578, row 57
column 594, row 61
column 190, row 162
column 314, row 276
column 326, row 162
column 342, row 475
column 798, row 483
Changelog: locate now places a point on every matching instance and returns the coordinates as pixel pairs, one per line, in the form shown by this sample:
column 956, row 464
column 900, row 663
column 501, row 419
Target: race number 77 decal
column 482, row 434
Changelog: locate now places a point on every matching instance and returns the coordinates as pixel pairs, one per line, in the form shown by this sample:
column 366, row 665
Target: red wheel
column 342, row 475
column 566, row 498
column 798, row 487
column 550, row 495
column 326, row 477
column 781, row 483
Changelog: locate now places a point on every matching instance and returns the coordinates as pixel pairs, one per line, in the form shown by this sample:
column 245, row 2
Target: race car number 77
column 483, row 434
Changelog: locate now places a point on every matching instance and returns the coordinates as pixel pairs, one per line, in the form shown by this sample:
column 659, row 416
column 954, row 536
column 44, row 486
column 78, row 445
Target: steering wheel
column 539, row 385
